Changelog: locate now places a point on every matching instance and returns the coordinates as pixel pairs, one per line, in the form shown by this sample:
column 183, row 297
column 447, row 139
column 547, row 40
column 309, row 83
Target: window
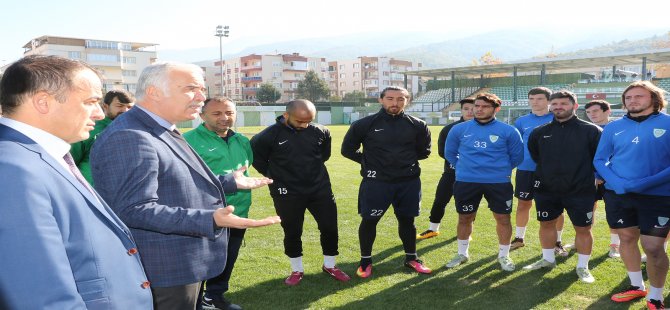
column 356, row 74
column 129, row 60
column 276, row 74
column 357, row 65
column 108, row 45
column 343, row 84
column 343, row 75
column 101, row 58
column 386, row 82
column 129, row 72
column 74, row 55
column 276, row 64
column 356, row 83
column 131, row 87
column 341, row 67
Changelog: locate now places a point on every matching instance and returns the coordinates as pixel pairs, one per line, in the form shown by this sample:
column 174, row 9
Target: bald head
column 299, row 113
column 300, row 104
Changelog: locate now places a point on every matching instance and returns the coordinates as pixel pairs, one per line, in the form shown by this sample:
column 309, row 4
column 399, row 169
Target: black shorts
column 468, row 195
column 525, row 184
column 649, row 213
column 600, row 191
column 579, row 208
column 375, row 197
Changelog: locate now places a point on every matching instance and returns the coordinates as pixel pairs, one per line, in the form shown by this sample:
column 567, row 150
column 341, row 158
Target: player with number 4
column 484, row 153
column 294, row 151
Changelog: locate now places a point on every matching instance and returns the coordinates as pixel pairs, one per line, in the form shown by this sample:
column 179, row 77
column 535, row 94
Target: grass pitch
column 257, row 281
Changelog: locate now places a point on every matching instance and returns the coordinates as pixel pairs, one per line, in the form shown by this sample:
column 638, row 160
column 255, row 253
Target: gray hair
column 157, row 75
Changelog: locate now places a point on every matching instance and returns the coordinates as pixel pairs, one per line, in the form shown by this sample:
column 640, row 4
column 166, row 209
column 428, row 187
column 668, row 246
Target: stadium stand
column 439, row 99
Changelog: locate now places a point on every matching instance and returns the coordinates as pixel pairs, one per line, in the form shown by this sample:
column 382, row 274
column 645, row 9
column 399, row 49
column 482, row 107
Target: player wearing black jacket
column 293, row 153
column 445, row 187
column 393, row 143
column 564, row 179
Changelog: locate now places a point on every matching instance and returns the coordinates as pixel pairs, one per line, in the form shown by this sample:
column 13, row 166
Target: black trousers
column 291, row 210
column 218, row 285
column 443, row 193
column 182, row 297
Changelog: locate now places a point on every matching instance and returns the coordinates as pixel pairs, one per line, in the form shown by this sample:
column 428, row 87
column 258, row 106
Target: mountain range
column 440, row 49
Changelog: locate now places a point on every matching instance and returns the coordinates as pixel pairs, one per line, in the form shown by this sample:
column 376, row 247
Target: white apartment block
column 119, row 62
column 370, row 75
column 243, row 76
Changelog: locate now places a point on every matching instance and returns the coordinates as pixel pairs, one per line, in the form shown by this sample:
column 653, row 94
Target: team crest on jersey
column 662, row 220
column 589, row 215
column 658, row 132
column 493, row 138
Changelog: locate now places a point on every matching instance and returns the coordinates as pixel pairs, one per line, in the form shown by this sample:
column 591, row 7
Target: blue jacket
column 634, row 157
column 525, row 126
column 61, row 247
column 166, row 195
column 484, row 153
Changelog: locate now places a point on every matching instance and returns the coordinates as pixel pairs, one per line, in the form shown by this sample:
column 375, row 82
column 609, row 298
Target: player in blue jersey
column 633, row 158
column 445, row 187
column 538, row 100
column 484, row 152
column 598, row 112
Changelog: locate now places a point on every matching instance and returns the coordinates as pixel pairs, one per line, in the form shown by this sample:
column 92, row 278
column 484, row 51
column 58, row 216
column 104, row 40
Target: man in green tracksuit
column 116, row 102
column 224, row 151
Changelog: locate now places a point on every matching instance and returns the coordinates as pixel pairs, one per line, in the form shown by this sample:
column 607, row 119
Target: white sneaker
column 585, row 275
column 542, row 263
column 506, row 263
column 614, row 251
column 457, row 260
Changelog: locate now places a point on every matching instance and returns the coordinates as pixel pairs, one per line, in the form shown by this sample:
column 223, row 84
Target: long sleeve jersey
column 564, row 154
column 392, row 146
column 294, row 159
column 633, row 155
column 223, row 157
column 525, row 126
column 442, row 140
column 484, row 153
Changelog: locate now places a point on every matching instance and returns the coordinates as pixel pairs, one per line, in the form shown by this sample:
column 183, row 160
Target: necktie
column 75, row 171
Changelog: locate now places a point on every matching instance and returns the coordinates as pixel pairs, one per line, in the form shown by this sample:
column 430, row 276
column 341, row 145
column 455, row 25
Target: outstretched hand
column 245, row 182
column 224, row 217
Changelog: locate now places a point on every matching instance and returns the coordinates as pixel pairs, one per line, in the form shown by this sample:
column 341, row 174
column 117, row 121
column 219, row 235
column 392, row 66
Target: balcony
column 252, row 67
column 249, row 90
column 252, row 79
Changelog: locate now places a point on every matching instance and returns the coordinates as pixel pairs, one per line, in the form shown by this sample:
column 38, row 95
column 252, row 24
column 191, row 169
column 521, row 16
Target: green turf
column 257, row 282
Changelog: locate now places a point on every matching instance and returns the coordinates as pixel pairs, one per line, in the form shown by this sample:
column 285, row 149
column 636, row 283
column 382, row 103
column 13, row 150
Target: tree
column 312, row 87
column 354, row 96
column 335, row 98
column 267, row 93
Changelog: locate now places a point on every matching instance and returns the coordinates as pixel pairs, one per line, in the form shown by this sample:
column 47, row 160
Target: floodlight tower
column 221, row 31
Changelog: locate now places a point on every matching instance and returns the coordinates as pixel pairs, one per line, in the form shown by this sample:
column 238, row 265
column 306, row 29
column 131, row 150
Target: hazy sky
column 189, row 24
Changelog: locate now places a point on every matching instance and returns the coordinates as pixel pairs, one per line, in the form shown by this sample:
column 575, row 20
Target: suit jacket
column 164, row 192
column 60, row 246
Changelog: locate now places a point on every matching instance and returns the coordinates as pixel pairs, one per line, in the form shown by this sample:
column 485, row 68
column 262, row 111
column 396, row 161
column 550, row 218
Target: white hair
column 156, row 75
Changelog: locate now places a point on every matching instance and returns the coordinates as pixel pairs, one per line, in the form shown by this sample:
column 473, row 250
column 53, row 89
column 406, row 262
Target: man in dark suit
column 161, row 189
column 61, row 246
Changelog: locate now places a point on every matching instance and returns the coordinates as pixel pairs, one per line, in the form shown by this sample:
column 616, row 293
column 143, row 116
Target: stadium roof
column 658, row 56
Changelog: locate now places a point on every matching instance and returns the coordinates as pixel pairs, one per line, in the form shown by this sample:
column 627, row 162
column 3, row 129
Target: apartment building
column 243, row 76
column 120, row 62
column 370, row 75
